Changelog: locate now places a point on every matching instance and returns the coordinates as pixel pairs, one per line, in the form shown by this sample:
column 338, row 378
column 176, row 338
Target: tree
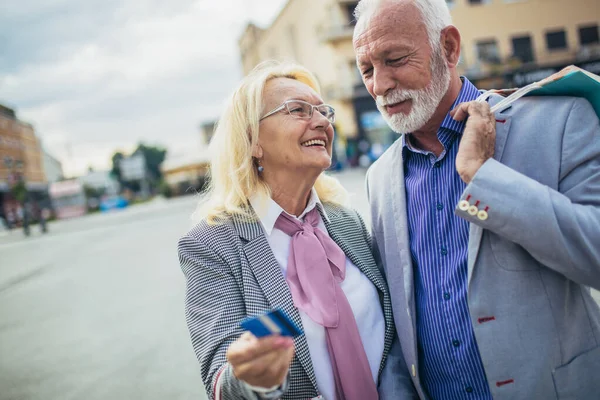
column 116, row 171
column 19, row 191
column 154, row 156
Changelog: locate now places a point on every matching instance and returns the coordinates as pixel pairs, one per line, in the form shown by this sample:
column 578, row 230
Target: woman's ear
column 257, row 152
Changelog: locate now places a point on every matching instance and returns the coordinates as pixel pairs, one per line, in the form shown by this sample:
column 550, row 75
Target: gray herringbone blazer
column 232, row 273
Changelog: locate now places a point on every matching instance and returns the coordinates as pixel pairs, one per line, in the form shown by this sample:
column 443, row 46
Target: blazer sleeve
column 559, row 228
column 214, row 306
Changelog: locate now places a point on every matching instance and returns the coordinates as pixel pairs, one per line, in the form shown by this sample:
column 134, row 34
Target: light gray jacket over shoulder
column 533, row 255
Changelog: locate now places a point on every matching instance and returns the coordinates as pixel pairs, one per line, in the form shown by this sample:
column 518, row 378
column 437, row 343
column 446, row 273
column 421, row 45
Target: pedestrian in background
column 274, row 233
column 11, row 218
column 26, row 215
column 41, row 214
column 488, row 227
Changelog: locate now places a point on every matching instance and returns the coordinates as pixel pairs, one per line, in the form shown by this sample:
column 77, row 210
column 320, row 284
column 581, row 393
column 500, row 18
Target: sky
column 97, row 76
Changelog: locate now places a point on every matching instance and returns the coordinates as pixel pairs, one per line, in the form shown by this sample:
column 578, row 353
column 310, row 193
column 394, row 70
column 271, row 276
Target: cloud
column 96, row 76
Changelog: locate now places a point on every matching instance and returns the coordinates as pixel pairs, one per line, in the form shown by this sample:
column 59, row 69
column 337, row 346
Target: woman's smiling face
column 287, row 141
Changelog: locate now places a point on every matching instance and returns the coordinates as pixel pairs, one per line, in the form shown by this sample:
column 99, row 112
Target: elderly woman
column 274, row 234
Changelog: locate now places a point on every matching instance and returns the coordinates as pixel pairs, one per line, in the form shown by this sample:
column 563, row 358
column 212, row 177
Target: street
column 94, row 309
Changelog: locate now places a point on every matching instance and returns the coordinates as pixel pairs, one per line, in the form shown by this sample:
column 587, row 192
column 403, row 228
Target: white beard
column 424, row 101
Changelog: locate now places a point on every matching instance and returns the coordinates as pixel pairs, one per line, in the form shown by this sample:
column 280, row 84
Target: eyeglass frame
column 283, row 106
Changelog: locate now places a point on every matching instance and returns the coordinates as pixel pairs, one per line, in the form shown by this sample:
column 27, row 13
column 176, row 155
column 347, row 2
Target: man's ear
column 450, row 41
column 257, row 152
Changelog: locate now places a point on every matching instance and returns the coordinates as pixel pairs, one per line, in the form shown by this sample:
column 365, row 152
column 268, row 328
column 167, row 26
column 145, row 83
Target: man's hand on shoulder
column 478, row 139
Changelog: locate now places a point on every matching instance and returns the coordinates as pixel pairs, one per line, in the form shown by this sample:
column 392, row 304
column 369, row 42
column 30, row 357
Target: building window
column 588, row 35
column 523, row 48
column 556, row 40
column 349, row 9
column 487, row 51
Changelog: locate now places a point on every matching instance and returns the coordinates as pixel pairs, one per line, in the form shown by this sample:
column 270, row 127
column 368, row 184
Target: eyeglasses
column 303, row 110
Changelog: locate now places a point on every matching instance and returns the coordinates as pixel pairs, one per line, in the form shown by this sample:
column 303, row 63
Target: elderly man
column 488, row 228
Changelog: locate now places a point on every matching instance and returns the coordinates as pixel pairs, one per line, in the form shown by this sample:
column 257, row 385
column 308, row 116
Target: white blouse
column 361, row 293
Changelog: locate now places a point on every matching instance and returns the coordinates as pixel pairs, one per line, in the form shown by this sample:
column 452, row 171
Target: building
column 185, row 174
column 305, row 32
column 52, row 168
column 185, row 169
column 505, row 43
column 207, row 130
column 101, row 182
column 21, row 162
column 516, row 42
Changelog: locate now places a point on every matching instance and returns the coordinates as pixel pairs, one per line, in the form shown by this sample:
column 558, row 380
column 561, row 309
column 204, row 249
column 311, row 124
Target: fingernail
column 285, row 342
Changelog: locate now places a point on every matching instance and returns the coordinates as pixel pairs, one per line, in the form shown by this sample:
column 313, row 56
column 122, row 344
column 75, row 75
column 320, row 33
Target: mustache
column 394, row 97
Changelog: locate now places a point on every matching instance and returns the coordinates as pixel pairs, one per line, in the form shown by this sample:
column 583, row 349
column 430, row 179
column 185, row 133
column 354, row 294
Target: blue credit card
column 275, row 322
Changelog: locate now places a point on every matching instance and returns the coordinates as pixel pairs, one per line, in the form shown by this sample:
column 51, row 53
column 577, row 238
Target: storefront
column 524, row 76
column 374, row 135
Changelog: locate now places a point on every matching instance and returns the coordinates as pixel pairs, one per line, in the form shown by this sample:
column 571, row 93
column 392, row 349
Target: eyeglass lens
column 300, row 109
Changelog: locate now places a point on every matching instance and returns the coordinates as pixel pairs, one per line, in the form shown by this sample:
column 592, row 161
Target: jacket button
column 473, row 210
column 482, row 215
column 463, row 205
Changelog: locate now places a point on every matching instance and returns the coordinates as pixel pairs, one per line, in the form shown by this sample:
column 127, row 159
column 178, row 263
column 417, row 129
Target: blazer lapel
column 503, row 120
column 398, row 194
column 334, row 224
column 268, row 274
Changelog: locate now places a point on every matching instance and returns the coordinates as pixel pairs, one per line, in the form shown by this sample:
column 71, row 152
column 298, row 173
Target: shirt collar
column 268, row 210
column 468, row 92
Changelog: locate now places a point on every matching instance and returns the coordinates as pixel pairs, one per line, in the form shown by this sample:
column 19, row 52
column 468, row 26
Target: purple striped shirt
column 450, row 364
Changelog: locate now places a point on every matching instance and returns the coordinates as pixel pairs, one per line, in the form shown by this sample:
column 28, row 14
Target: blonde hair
column 233, row 174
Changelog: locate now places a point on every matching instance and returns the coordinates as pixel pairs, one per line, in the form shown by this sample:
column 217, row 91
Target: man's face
column 404, row 75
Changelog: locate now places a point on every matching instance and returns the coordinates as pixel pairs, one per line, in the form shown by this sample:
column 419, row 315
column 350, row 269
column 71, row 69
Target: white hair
column 435, row 15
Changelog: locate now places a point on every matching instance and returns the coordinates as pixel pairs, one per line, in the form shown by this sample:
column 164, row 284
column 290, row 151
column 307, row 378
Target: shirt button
column 436, row 164
column 439, row 206
column 469, row 389
column 444, row 251
column 456, row 343
column 446, row 296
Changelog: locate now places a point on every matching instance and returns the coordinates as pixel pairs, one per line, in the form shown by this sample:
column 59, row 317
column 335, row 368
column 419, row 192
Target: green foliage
column 154, row 156
column 164, row 189
column 19, row 191
column 93, row 193
column 116, row 171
